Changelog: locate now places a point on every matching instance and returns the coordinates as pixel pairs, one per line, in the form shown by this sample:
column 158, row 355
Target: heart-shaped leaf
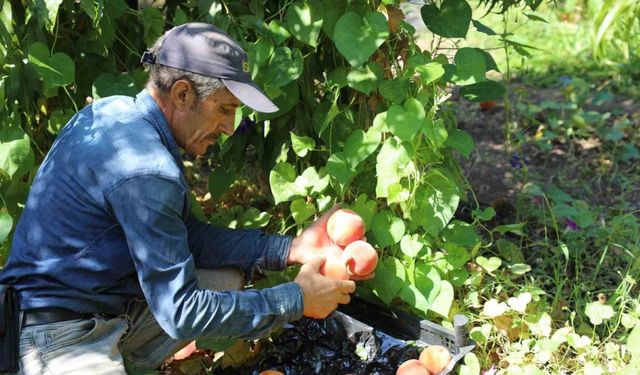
column 304, row 21
column 393, row 157
column 254, row 218
column 46, row 13
column 483, row 91
column 490, row 264
column 365, row 79
column 360, row 145
column 16, row 156
column 6, row 223
column 430, row 72
column 436, row 199
column 394, row 90
column 366, row 208
column 470, row 66
column 436, row 133
column 461, row 141
column 412, row 295
column 387, row 228
column 451, row 20
column 219, row 182
column 57, row 70
column 302, row 145
column 285, row 66
column 406, row 122
column 358, row 38
column 301, row 210
column 598, row 313
column 338, row 167
column 519, row 303
column 107, row 84
column 460, row 233
column 389, row 280
column 153, row 22
column 282, row 181
column 315, row 182
column 442, row 304
column 492, row 308
column 411, row 245
column 428, row 281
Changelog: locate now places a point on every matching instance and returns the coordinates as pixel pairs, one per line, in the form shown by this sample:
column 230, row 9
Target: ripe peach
column 335, row 269
column 186, row 351
column 412, row 367
column 345, row 226
column 435, row 358
column 271, row 372
column 360, row 257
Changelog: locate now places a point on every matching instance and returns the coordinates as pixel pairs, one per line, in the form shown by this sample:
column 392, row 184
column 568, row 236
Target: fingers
column 316, row 262
column 362, row 278
column 347, row 286
column 346, row 298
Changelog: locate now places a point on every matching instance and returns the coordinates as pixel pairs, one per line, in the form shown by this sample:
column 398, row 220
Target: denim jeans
column 103, row 346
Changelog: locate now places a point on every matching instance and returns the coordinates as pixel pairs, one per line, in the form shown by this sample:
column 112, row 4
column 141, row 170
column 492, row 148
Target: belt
column 50, row 315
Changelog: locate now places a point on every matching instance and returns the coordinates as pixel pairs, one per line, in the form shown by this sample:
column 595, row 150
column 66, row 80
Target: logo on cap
column 245, row 66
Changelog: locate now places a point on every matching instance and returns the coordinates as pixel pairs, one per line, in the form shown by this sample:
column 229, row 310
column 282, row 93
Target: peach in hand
column 360, row 257
column 335, row 269
column 435, row 358
column 412, row 367
column 345, row 226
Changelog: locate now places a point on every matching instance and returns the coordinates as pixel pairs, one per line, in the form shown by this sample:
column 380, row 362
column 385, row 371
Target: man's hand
column 321, row 295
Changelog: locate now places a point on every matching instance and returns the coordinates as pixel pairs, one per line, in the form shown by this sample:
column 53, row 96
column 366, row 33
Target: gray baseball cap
column 205, row 49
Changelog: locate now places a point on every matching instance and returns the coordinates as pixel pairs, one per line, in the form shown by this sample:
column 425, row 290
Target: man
column 110, row 265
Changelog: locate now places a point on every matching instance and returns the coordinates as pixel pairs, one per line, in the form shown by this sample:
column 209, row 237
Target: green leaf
column 278, row 33
column 16, row 156
column 260, row 52
column 394, row 90
column 57, row 70
column 430, row 72
column 301, row 210
column 457, row 256
column 315, row 182
column 46, row 12
column 442, row 304
column 633, row 341
column 366, row 208
column 460, row 233
column 360, row 145
column 282, row 180
column 304, row 21
column 512, row 228
column 107, row 84
column 411, row 245
column 405, row 122
column 254, row 218
column 411, row 295
column 483, row 91
column 6, row 223
column 471, row 364
column 387, row 228
column 470, row 66
column 389, row 280
column 289, row 95
column 180, row 17
column 397, row 193
column 285, row 66
column 428, row 281
column 302, row 145
column 219, row 182
column 338, row 167
column 520, row 268
column 451, row 20
column 358, row 38
column 436, row 199
column 365, row 79
column 598, row 313
column 461, row 141
column 534, row 17
column 392, row 159
column 153, row 22
column 485, row 215
column 490, row 264
column 483, row 28
column 436, row 133
column 332, row 11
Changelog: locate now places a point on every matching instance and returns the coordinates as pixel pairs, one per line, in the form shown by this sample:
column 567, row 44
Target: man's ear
column 182, row 95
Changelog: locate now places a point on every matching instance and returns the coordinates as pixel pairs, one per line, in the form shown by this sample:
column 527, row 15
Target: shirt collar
column 148, row 106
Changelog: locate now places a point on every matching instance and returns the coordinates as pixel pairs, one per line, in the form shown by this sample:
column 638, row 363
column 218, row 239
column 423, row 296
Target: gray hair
column 163, row 77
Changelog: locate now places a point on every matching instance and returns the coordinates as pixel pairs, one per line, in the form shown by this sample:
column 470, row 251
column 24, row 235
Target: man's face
column 212, row 116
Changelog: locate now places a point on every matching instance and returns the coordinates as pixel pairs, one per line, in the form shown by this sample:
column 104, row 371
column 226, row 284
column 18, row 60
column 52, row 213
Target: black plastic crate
column 360, row 315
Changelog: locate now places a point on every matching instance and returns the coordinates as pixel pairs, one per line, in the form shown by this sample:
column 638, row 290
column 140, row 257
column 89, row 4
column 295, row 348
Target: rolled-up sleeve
column 149, row 209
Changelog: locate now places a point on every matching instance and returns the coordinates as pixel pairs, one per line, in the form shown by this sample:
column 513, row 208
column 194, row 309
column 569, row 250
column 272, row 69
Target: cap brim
column 250, row 95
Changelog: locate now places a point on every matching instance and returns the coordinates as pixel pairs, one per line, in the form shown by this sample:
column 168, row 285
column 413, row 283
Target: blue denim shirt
column 108, row 219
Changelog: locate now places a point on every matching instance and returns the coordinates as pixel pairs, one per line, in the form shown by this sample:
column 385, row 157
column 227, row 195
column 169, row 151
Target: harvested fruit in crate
column 435, row 358
column 412, row 367
column 345, row 226
column 360, row 257
column 271, row 372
